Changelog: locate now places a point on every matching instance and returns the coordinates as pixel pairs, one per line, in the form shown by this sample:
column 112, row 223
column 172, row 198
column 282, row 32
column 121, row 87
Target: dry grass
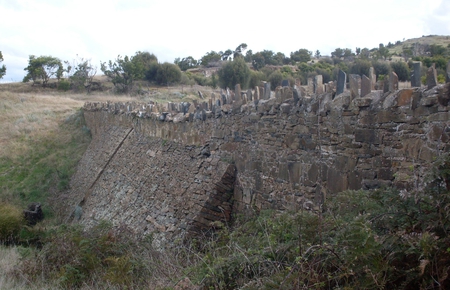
column 436, row 39
column 9, row 261
column 28, row 117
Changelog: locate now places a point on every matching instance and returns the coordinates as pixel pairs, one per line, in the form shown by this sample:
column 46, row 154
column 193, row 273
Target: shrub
column 233, row 73
column 401, row 69
column 11, row 222
column 275, row 79
column 63, row 85
column 255, row 78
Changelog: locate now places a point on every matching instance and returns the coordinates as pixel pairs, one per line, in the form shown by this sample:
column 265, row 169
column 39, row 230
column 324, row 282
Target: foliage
column 11, row 222
column 275, row 79
column 381, row 239
column 381, row 68
column 258, row 61
column 64, row 85
column 43, row 68
column 81, row 74
column 168, row 73
column 401, row 69
column 186, row 63
column 301, row 55
column 382, row 52
column 233, row 73
column 248, row 56
column 3, row 67
column 145, row 59
column 211, row 59
column 72, row 257
column 360, row 67
column 123, row 72
column 256, row 77
column 439, row 61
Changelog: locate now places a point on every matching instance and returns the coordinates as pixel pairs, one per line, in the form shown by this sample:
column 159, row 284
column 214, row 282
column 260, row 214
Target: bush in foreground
column 11, row 222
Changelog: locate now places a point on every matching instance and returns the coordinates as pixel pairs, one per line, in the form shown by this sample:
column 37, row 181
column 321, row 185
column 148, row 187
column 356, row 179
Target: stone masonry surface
column 177, row 175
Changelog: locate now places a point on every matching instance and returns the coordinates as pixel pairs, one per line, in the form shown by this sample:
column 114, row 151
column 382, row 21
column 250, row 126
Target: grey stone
column 249, row 95
column 318, row 84
column 224, row 99
column 237, row 92
column 296, row 95
column 256, row 96
column 267, row 91
column 393, row 82
column 416, row 74
column 341, row 81
column 285, row 83
column 310, row 86
column 354, row 81
column 431, row 77
column 373, row 78
column 366, row 86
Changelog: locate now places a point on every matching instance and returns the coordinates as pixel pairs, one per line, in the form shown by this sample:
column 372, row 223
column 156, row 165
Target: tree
column 268, row 57
column 211, row 59
column 275, row 79
column 168, row 73
column 338, row 53
column 123, row 72
column 248, row 56
column 436, row 49
column 360, row 67
column 238, row 51
column 401, row 69
column 226, row 55
column 365, row 53
column 43, row 68
column 81, row 74
column 383, row 52
column 281, row 59
column 348, row 52
column 233, row 73
column 381, row 68
column 186, row 63
column 317, row 54
column 3, row 67
column 258, row 61
column 144, row 59
column 301, row 55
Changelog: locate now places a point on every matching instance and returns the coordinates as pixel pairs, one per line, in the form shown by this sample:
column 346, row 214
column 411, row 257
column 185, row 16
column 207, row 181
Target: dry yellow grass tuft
column 27, row 117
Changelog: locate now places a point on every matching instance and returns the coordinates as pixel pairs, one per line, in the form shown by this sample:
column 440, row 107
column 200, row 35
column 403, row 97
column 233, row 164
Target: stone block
column 355, row 81
column 367, row 136
column 393, row 82
column 366, row 86
column 336, row 180
column 404, row 97
column 416, row 74
column 341, row 82
column 431, row 77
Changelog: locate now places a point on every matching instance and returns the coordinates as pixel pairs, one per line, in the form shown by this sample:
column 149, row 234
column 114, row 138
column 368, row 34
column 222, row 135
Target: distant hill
column 419, row 46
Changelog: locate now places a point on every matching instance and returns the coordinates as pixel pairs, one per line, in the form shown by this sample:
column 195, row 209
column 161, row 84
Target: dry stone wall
column 177, row 173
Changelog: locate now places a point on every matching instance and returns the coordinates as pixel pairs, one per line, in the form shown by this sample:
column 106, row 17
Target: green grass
column 47, row 164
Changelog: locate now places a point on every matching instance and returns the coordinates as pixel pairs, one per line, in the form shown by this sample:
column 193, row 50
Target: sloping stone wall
column 178, row 176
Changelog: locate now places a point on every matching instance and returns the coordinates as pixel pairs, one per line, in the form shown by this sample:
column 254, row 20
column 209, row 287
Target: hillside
column 421, row 43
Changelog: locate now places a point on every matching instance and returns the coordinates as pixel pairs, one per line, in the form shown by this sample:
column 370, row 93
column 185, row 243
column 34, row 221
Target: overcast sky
column 102, row 29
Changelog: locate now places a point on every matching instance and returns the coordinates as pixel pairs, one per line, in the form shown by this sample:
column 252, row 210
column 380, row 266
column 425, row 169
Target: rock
column 34, row 213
